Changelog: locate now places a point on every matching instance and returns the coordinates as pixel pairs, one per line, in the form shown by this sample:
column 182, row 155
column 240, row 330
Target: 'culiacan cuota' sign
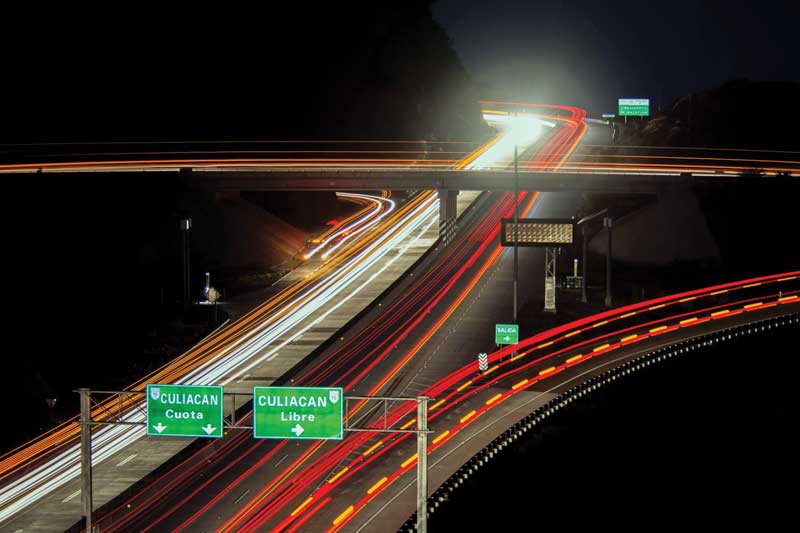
column 184, row 410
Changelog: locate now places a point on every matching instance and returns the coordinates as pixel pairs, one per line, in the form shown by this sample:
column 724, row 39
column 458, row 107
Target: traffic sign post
column 184, row 410
column 298, row 413
column 293, row 402
column 506, row 333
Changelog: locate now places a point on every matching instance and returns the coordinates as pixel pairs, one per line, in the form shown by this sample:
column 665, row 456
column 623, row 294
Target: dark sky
column 590, row 52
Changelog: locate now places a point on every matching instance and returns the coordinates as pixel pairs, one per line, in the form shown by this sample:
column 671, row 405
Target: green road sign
column 609, row 115
column 506, row 334
column 184, row 410
column 634, row 107
column 297, row 412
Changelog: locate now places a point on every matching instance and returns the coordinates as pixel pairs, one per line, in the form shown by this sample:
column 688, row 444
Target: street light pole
column 608, row 223
column 584, row 299
column 516, row 229
column 86, row 457
column 185, row 226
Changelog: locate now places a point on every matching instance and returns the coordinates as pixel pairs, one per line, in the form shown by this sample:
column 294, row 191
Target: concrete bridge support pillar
column 448, row 213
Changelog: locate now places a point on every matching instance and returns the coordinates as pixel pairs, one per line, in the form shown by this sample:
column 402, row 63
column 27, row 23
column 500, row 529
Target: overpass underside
column 411, row 179
column 233, row 179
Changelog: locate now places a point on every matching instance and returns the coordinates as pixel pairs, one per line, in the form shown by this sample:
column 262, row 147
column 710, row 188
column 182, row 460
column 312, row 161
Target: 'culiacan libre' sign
column 297, row 412
column 184, row 410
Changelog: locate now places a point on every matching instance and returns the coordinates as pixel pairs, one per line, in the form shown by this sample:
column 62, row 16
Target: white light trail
column 108, row 440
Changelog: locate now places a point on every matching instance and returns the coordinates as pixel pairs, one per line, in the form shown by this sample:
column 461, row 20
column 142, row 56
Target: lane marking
column 408, row 424
column 494, row 398
column 372, row 448
column 377, row 485
column 127, row 460
column 300, row 507
column 337, row 476
column 71, row 496
column 518, row 385
column 338, row 519
column 409, row 460
column 434, row 406
column 441, row 436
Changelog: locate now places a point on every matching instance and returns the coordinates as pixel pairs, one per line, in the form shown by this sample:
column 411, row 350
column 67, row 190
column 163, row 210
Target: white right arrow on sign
column 297, row 430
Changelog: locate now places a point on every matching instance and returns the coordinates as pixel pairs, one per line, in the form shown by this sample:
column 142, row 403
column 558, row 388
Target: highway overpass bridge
column 229, row 179
column 220, row 178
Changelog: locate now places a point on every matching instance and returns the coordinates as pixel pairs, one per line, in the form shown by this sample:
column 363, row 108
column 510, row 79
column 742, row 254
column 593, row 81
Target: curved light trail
column 52, row 460
column 484, row 238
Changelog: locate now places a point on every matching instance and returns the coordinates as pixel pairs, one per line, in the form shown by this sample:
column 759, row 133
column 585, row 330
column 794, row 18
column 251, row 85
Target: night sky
column 589, row 53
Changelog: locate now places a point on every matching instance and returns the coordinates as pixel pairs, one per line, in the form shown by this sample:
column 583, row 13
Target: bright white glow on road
column 521, row 131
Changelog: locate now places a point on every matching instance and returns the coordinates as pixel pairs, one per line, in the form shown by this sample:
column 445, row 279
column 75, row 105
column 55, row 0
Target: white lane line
column 125, row 461
column 70, row 497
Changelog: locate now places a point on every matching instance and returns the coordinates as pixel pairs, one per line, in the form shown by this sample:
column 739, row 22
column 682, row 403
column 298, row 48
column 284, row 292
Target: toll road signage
column 506, row 333
column 184, row 410
column 298, row 413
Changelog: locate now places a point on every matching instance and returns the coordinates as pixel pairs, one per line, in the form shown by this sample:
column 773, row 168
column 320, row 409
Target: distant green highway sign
column 184, row 410
column 634, row 107
column 506, row 334
column 298, row 413
column 609, row 115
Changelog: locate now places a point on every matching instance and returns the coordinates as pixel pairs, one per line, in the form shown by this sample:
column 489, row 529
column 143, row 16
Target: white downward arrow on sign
column 297, row 430
column 159, row 427
column 208, row 428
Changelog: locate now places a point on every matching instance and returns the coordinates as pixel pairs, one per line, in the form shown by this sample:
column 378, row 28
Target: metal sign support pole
column 550, row 279
column 516, row 229
column 584, row 299
column 422, row 465
column 86, row 457
column 608, row 223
